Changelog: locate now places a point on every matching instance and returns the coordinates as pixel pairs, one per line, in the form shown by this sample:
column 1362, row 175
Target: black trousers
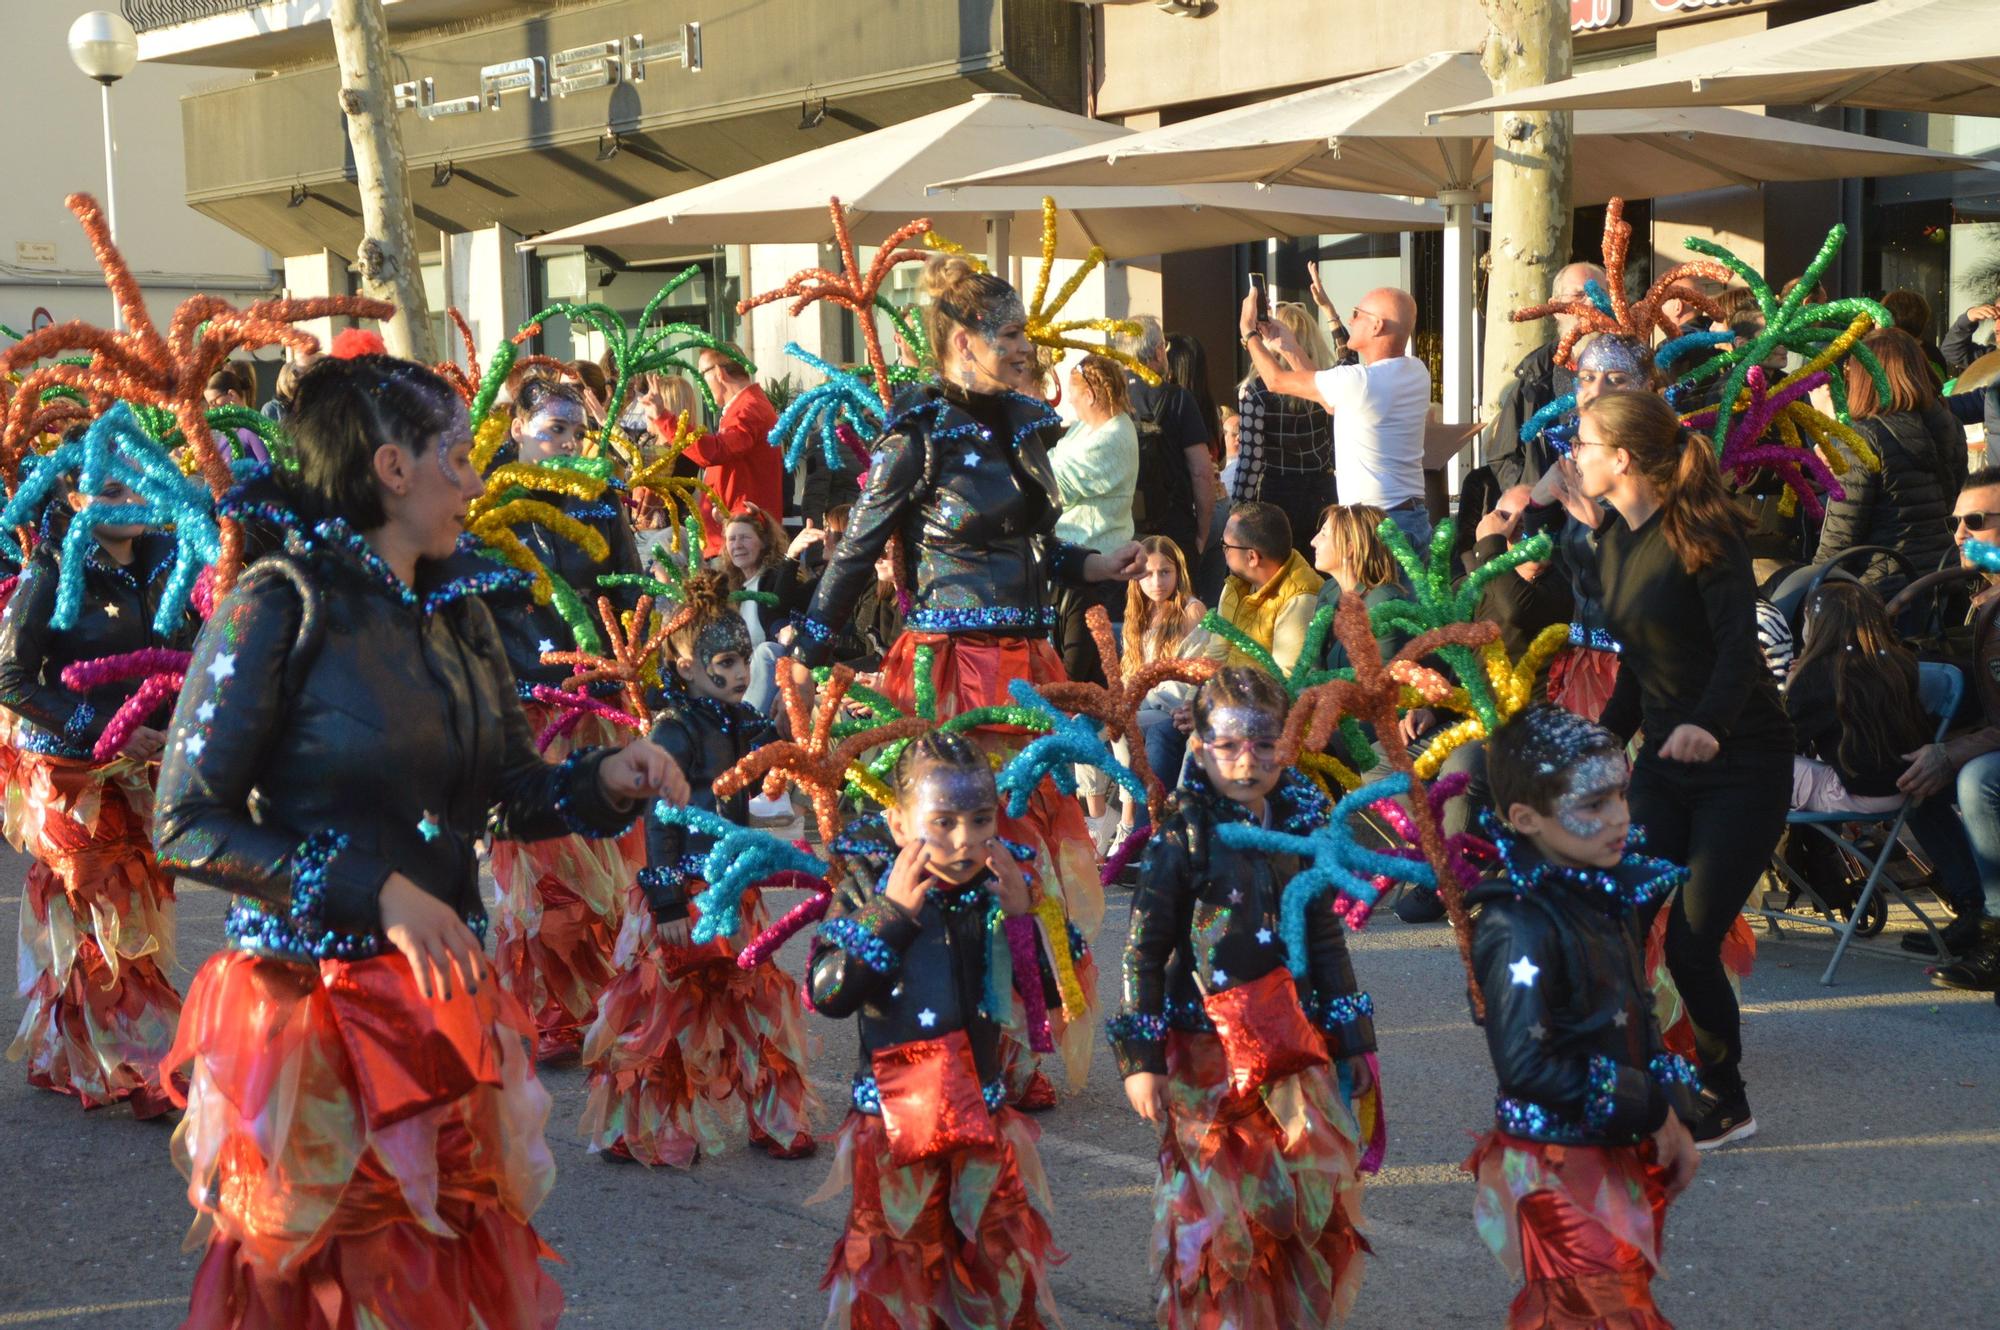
column 1073, row 639
column 1722, row 819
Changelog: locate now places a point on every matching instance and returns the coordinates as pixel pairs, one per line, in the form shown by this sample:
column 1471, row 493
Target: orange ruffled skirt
column 1256, row 1221
column 555, row 925
column 359, row 1159
column 97, row 934
column 957, row 1242
column 971, row 670
column 1582, row 1226
column 690, row 1052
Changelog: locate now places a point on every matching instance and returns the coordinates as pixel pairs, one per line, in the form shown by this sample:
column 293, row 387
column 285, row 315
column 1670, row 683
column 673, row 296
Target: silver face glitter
column 1244, row 724
column 1587, row 781
column 1610, row 354
column 942, row 788
column 729, row 633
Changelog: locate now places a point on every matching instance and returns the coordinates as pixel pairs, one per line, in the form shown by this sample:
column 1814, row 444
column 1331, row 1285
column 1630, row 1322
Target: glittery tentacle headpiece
column 1043, row 327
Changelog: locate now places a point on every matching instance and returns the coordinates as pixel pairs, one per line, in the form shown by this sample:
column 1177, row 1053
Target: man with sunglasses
column 1967, row 765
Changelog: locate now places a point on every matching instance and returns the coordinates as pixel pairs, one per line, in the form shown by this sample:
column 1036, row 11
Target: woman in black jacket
column 348, row 731
column 1907, row 504
column 1713, row 781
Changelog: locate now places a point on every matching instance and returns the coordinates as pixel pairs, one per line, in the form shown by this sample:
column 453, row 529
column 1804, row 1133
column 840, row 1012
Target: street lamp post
column 105, row 48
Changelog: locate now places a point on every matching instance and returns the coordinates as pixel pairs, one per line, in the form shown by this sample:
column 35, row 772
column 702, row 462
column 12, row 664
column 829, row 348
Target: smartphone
column 1261, row 301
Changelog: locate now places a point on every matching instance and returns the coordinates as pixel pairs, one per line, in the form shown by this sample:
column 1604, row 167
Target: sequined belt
column 868, row 1095
column 981, row 618
column 1597, row 639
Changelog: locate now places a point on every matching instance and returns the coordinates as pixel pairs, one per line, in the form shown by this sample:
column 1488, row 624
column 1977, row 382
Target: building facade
column 521, row 116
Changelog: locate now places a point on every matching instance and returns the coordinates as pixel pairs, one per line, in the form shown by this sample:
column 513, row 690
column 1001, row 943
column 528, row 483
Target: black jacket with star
column 337, row 726
column 1205, row 917
column 529, row 629
column 115, row 616
column 907, row 976
column 1560, row 957
column 965, row 480
column 706, row 737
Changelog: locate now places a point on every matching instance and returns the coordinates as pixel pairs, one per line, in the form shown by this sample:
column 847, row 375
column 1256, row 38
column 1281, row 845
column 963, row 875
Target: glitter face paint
column 939, row 788
column 729, row 633
column 553, row 425
column 1609, row 354
column 1235, row 728
column 954, row 811
column 1588, row 781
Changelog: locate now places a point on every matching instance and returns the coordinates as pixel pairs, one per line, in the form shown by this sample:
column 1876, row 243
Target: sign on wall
column 565, row 73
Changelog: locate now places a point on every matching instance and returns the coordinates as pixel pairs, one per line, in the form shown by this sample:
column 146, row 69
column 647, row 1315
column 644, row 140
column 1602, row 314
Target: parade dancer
column 97, row 931
column 690, row 1049
column 948, row 1228
column 961, row 474
column 363, row 1134
column 561, row 900
column 1588, row 1144
column 1258, row 1210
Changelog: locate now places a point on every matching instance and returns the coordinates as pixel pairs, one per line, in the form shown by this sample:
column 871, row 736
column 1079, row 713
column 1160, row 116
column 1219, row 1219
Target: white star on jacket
column 1219, row 977
column 222, row 667
column 927, row 1018
column 972, row 459
column 544, row 647
column 1264, row 936
column 110, row 611
column 194, row 745
column 205, row 712
column 1524, row 972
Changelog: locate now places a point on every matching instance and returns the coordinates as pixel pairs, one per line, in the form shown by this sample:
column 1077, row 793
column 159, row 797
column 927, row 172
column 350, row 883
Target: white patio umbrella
column 882, row 177
column 1372, row 133
column 1941, row 56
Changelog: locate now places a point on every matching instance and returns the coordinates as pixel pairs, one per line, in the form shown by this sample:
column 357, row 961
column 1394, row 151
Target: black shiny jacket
column 528, row 629
column 965, row 480
column 707, row 738
column 338, row 725
column 904, row 976
column 116, row 616
column 1560, row 957
column 1205, row 917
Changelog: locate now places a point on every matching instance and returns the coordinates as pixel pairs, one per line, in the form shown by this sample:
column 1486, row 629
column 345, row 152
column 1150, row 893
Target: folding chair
column 1939, row 688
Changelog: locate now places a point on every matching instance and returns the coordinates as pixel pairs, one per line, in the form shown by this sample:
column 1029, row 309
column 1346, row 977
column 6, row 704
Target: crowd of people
column 431, row 623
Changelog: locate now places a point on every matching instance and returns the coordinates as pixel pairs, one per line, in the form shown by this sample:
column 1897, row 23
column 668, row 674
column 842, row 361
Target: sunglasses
column 1977, row 521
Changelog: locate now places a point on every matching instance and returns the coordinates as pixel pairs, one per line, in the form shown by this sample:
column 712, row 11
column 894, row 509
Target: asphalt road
column 1870, row 1199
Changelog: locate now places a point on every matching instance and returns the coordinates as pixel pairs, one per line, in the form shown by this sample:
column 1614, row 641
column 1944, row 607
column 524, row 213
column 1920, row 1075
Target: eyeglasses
column 1977, row 521
column 1226, row 545
column 1360, row 310
column 1228, row 752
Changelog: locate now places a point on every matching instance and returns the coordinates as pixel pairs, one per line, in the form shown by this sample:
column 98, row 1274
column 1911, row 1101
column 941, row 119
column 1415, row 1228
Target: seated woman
column 1356, row 563
column 1162, row 622
column 1854, row 705
column 755, row 557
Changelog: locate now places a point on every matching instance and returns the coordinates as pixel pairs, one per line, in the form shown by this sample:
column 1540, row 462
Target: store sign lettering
column 1677, row 6
column 577, row 69
column 1586, row 15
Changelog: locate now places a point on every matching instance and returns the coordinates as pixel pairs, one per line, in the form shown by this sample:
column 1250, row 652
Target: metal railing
column 147, row 15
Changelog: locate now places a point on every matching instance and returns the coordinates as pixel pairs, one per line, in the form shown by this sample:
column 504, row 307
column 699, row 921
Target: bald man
column 1538, row 380
column 1379, row 405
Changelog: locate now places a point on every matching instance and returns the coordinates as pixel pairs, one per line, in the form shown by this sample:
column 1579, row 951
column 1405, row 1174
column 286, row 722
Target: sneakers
column 1960, row 935
column 1721, row 1120
column 1979, row 970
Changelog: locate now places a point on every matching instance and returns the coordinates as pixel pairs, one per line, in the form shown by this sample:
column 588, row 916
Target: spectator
column 1187, row 365
column 1162, row 622
column 1538, row 380
column 1271, row 594
column 1347, row 549
column 1336, row 331
column 658, row 402
column 1913, row 315
column 754, row 558
column 877, row 622
column 226, row 387
column 1096, row 465
column 596, row 390
column 1285, row 445
column 1379, row 406
column 1982, row 406
column 1852, row 698
column 279, row 408
column 1214, row 568
column 1175, row 493
column 1969, row 763
column 740, row 464
column 1905, row 505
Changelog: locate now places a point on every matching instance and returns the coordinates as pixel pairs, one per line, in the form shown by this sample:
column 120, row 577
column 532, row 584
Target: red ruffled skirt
column 691, row 1052
column 958, row 1242
column 970, row 670
column 1581, row 680
column 1256, row 1222
column 1582, row 1226
column 97, row 934
column 1739, row 955
column 555, row 925
column 359, row 1159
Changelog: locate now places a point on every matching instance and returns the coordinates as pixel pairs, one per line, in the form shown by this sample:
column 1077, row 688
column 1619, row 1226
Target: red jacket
column 738, row 462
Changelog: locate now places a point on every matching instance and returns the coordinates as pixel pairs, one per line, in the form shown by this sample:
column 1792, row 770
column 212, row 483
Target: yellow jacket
column 1275, row 616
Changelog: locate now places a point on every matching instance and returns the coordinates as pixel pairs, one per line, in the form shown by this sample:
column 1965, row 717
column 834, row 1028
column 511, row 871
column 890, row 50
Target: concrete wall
column 57, row 147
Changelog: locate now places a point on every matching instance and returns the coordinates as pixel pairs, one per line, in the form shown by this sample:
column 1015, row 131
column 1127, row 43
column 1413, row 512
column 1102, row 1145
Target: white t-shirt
column 1379, row 412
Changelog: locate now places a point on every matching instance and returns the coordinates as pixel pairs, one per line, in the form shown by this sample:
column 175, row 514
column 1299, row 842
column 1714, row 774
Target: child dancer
column 687, row 1046
column 1257, row 1213
column 1587, row 1146
column 949, row 1223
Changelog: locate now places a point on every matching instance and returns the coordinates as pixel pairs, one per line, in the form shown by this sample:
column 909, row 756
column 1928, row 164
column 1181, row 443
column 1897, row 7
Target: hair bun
column 946, row 274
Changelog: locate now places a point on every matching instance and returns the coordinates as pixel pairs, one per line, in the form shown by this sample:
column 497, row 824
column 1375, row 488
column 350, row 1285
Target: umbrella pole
column 996, row 245
column 1460, row 253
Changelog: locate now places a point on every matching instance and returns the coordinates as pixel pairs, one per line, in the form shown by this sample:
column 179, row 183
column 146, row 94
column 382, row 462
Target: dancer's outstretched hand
column 643, row 770
column 432, row 938
column 1147, row 1093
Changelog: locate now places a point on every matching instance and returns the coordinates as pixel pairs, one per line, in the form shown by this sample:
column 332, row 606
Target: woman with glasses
column 1712, row 782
